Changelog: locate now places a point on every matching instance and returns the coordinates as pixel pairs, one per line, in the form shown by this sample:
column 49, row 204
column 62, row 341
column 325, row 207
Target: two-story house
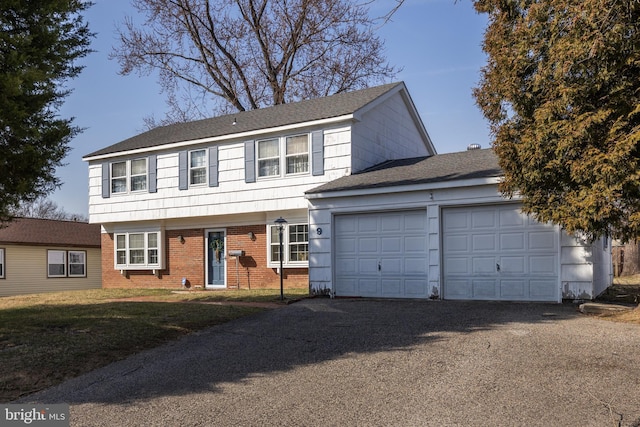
column 370, row 209
column 175, row 200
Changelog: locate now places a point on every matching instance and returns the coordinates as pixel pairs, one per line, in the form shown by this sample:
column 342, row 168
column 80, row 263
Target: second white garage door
column 498, row 253
column 381, row 254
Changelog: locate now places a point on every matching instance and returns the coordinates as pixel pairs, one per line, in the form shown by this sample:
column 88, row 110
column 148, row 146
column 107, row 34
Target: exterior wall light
column 181, row 238
column 252, row 236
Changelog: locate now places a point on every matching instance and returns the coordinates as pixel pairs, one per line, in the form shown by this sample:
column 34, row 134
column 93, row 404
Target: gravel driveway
column 323, row 362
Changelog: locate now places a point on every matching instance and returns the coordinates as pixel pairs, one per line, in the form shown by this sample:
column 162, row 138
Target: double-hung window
column 129, row 176
column 62, row 263
column 277, row 155
column 198, row 167
column 2, row 269
column 140, row 251
column 77, row 263
column 295, row 242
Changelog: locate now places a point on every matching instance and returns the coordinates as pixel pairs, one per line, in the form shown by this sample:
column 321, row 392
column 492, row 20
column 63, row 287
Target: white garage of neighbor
column 437, row 227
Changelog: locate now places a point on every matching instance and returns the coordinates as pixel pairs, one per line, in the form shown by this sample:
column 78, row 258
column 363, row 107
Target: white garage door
column 381, row 254
column 498, row 253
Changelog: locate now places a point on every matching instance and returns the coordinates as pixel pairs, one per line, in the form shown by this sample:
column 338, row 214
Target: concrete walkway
column 324, row 362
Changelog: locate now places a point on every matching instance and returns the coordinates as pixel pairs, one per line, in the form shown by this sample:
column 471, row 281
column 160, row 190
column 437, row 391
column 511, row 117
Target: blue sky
column 436, row 42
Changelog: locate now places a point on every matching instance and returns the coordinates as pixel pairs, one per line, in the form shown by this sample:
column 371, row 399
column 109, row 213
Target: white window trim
column 146, row 265
column 205, row 167
column 49, row 263
column 128, row 177
column 84, row 263
column 3, row 267
column 286, row 262
column 282, row 157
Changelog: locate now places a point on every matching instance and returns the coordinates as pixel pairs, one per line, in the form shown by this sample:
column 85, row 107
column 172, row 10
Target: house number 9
column 319, row 231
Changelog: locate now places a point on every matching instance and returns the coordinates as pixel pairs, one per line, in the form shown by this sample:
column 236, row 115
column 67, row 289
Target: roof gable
column 47, row 232
column 333, row 106
column 470, row 164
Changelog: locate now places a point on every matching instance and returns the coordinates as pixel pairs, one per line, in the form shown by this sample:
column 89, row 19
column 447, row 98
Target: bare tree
column 45, row 209
column 219, row 56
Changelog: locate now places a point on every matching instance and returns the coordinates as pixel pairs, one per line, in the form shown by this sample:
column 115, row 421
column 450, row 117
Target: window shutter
column 183, row 170
column 249, row 162
column 213, row 166
column 106, row 188
column 317, row 153
column 153, row 173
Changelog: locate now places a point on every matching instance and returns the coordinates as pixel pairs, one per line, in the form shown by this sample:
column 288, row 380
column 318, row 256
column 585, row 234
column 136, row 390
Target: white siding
column 384, row 133
column 576, row 260
column 26, row 271
column 231, row 196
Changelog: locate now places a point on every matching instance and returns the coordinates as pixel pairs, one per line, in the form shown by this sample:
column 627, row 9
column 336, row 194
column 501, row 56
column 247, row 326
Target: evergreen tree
column 562, row 93
column 39, row 44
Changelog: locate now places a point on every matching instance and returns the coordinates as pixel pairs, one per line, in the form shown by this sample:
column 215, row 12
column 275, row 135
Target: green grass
column 48, row 338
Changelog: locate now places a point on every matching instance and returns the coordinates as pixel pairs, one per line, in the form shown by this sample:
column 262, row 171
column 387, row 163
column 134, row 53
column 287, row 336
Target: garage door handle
column 379, row 267
column 498, row 267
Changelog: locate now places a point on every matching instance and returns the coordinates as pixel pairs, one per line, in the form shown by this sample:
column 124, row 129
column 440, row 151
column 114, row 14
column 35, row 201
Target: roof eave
column 473, row 182
column 241, row 135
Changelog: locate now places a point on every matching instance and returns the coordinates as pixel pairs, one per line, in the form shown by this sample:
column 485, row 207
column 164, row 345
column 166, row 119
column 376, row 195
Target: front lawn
column 48, row 338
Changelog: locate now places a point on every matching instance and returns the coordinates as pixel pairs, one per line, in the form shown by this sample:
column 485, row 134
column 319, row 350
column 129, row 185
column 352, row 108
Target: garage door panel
column 511, row 218
column 415, row 288
column 543, row 289
column 477, row 261
column 484, row 289
column 542, row 240
column 367, row 266
column 367, row 245
column 542, row 264
column 484, row 242
column 346, row 266
column 415, row 266
column 391, row 266
column 391, row 288
column 513, row 264
column 483, row 219
column 513, row 289
column 345, row 246
column 483, row 265
column 389, row 256
column 512, row 241
column 391, row 245
column 458, row 243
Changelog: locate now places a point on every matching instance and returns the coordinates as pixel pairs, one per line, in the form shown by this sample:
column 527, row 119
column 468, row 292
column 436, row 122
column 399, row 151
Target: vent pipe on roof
column 474, row 147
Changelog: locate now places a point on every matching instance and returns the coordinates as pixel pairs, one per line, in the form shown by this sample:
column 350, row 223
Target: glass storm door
column 216, row 260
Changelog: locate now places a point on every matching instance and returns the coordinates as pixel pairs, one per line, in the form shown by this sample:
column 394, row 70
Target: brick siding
column 188, row 260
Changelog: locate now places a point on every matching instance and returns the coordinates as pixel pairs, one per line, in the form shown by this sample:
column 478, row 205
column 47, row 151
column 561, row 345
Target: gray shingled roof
column 280, row 115
column 48, row 232
column 419, row 170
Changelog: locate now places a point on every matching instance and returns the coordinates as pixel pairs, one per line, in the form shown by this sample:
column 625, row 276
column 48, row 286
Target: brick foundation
column 188, row 260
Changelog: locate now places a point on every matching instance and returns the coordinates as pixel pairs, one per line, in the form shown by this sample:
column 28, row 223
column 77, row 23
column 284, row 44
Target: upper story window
column 138, row 250
column 289, row 154
column 295, row 241
column 198, row 167
column 129, row 175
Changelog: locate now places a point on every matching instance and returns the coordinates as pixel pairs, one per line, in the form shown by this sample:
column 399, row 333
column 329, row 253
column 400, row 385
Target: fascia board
column 404, row 188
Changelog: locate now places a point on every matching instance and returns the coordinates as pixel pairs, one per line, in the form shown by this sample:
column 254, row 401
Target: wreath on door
column 218, row 247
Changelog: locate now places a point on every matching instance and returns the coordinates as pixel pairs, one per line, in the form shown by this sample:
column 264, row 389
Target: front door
column 216, row 259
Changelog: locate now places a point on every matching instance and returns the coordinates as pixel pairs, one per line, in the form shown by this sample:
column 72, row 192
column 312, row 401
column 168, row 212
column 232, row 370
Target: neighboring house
column 175, row 202
column 42, row 255
column 437, row 227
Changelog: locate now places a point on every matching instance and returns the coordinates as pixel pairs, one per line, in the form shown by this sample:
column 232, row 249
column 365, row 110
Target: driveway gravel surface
column 350, row 362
